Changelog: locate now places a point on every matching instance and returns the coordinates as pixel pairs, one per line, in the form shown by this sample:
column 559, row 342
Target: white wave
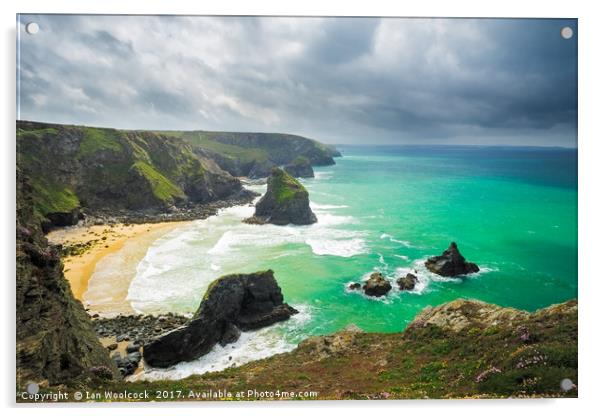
column 316, row 206
column 177, row 268
column 401, row 256
column 341, row 248
column 393, row 240
column 251, row 346
column 325, row 174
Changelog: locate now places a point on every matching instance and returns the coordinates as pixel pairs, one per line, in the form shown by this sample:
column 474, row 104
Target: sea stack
column 376, row 285
column 300, row 167
column 451, row 263
column 232, row 303
column 285, row 202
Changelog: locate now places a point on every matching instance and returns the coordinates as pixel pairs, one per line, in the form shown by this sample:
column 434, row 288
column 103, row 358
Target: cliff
column 55, row 340
column 300, row 167
column 74, row 168
column 255, row 154
column 286, row 201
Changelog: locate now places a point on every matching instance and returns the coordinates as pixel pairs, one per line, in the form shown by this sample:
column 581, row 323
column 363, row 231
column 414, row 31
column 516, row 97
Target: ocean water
column 513, row 211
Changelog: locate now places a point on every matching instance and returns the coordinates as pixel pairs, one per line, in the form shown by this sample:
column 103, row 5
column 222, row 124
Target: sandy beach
column 104, row 240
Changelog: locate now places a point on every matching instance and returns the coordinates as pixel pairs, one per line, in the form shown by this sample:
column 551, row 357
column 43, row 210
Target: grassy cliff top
column 284, row 187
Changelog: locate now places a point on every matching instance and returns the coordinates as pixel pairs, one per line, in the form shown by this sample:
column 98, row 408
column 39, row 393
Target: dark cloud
column 340, row 80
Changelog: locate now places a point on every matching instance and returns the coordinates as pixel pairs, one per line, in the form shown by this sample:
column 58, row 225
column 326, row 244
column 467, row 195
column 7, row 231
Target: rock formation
column 55, row 340
column 376, row 285
column 300, row 168
column 232, row 303
column 407, row 282
column 285, row 202
column 451, row 263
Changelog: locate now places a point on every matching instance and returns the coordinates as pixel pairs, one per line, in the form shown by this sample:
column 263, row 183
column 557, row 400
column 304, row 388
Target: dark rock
column 451, row 263
column 112, row 347
column 122, row 337
column 408, row 282
column 249, row 301
column 261, row 169
column 376, row 285
column 300, row 167
column 55, row 339
column 354, row 286
column 102, row 372
column 132, row 347
column 230, row 335
column 134, row 357
column 64, row 219
column 285, row 202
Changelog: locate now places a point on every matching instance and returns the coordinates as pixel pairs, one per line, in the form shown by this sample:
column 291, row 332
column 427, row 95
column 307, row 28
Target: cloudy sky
column 338, row 80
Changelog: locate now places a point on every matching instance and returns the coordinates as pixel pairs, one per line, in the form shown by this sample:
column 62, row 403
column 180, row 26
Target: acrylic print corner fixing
column 283, row 208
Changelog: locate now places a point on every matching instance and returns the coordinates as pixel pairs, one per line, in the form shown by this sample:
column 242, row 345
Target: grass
column 52, row 197
column 285, row 187
column 162, row 188
column 203, row 140
column 417, row 363
column 96, row 140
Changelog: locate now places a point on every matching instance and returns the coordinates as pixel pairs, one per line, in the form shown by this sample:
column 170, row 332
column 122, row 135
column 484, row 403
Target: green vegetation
column 96, row 140
column 37, row 133
column 527, row 356
column 162, row 188
column 52, row 197
column 300, row 161
column 284, row 186
column 207, row 140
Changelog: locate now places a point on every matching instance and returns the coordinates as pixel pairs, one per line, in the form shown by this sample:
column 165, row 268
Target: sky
column 336, row 80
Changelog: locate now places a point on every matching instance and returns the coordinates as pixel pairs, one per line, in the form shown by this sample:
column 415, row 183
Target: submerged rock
column 300, row 167
column 376, row 285
column 408, row 282
column 285, row 202
column 451, row 263
column 232, row 302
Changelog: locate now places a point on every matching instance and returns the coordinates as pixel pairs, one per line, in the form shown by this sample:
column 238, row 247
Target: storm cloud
column 338, row 80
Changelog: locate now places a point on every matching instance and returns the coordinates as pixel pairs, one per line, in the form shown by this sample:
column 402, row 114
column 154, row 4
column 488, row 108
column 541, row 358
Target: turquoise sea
column 513, row 211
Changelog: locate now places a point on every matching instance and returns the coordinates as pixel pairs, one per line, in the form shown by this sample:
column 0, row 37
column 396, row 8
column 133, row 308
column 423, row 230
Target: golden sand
column 105, row 240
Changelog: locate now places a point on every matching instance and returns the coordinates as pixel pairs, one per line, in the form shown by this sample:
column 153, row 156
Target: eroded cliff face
column 55, row 340
column 74, row 168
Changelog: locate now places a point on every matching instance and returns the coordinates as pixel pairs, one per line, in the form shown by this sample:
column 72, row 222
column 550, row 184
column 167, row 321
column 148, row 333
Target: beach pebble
column 132, row 347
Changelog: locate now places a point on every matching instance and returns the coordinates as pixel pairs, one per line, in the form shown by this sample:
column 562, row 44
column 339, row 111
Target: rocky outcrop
column 285, row 202
column 376, row 285
column 451, row 263
column 407, row 282
column 231, row 303
column 463, row 349
column 300, row 168
column 55, row 340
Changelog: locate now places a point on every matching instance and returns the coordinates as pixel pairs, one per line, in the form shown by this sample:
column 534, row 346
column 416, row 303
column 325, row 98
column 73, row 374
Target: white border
column 590, row 175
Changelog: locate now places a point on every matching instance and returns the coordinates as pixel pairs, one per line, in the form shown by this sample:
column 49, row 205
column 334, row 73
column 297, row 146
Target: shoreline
column 85, row 245
column 102, row 241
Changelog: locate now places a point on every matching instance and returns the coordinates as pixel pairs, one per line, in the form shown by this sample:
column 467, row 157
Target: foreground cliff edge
column 461, row 349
